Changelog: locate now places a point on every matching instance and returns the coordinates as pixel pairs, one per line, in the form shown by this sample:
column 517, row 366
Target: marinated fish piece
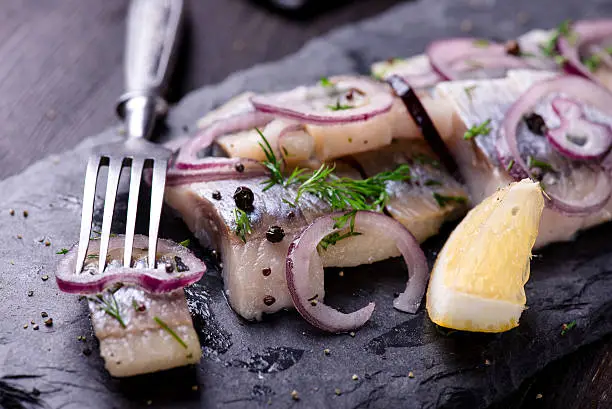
column 487, row 102
column 481, row 59
column 432, row 194
column 158, row 331
column 254, row 269
column 140, row 331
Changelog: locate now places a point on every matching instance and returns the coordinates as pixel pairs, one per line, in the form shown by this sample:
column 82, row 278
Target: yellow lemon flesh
column 477, row 283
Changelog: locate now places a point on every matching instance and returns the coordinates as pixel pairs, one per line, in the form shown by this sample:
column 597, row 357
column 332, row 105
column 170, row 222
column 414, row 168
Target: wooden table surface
column 61, row 72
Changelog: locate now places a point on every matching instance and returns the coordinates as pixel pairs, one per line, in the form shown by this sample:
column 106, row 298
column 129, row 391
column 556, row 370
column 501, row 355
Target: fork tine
column 89, row 192
column 135, row 177
column 157, row 198
column 114, row 171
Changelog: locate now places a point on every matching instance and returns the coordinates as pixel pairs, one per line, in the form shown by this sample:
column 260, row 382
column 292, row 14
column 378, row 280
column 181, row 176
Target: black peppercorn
column 266, row 271
column 536, row 123
column 180, row 266
column 239, row 167
column 169, row 267
column 513, row 48
column 269, row 300
column 243, row 196
column 275, row 234
column 216, row 195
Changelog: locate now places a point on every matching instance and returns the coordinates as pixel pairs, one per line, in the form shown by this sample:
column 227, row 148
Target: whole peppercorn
column 275, row 234
column 243, row 196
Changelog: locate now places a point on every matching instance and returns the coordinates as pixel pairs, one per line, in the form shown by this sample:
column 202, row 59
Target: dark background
column 61, row 72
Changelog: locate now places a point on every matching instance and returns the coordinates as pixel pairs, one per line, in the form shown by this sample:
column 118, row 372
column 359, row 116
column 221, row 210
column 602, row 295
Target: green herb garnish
column 481, row 42
column 169, row 330
column 560, row 60
column 469, row 90
column 325, row 82
column 592, row 63
column 341, row 221
column 422, row 159
column 339, row 107
column 510, row 165
column 432, row 182
column 567, row 327
column 549, row 48
column 536, row 163
column 90, row 256
column 243, row 224
column 185, row 243
column 343, row 193
column 62, row 251
column 444, row 200
column 482, row 129
column 271, row 163
column 109, row 305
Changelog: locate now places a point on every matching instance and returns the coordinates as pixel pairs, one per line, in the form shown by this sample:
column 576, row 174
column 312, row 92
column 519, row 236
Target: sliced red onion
column 462, row 58
column 151, row 280
column 581, row 187
column 188, row 154
column 577, row 137
column 303, row 251
column 314, row 105
column 587, row 34
column 212, row 168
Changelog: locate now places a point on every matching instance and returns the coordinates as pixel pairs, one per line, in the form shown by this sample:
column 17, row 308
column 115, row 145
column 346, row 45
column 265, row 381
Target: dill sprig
column 537, row 163
column 185, row 243
column 343, row 193
column 109, row 305
column 339, row 106
column 170, row 331
column 243, row 224
column 271, row 163
column 341, row 221
column 567, row 327
column 481, row 129
column 325, row 82
column 549, row 48
column 444, row 200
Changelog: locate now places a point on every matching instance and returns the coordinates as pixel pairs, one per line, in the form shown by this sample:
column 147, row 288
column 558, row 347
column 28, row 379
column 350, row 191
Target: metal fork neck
column 139, row 113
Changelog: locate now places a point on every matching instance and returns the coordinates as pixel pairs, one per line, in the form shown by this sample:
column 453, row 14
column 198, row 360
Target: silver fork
column 152, row 31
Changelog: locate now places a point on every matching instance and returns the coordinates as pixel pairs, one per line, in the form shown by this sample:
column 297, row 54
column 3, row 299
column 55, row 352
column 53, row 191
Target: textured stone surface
column 250, row 365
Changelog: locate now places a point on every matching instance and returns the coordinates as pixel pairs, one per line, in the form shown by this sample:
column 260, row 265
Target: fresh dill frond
column 481, row 129
column 444, row 200
column 339, row 106
column 325, row 82
column 341, row 222
column 170, row 331
column 537, row 163
column 343, row 193
column 109, row 305
column 549, row 48
column 271, row 163
column 243, row 224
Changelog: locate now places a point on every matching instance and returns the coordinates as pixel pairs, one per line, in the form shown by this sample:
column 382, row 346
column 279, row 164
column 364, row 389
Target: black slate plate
column 251, row 365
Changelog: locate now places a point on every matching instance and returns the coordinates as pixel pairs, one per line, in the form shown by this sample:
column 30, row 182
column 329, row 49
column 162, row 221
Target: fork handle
column 152, row 32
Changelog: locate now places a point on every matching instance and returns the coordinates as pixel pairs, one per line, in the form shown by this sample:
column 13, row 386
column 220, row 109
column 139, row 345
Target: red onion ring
column 451, row 57
column 296, row 105
column 302, row 251
column 597, row 139
column 587, row 32
column 188, row 154
column 212, row 168
column 151, row 280
column 507, row 145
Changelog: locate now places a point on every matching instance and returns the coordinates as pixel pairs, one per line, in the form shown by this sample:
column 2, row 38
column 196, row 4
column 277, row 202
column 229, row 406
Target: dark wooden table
column 61, row 72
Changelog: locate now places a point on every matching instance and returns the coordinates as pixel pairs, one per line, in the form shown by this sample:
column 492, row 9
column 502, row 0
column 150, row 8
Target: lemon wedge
column 477, row 283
